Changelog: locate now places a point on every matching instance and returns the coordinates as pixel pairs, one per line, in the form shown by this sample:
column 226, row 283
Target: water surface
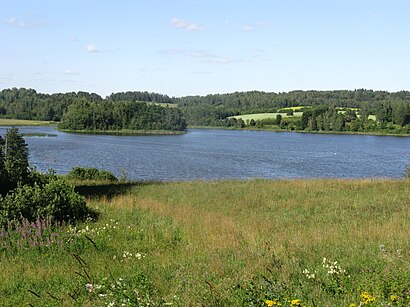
column 222, row 154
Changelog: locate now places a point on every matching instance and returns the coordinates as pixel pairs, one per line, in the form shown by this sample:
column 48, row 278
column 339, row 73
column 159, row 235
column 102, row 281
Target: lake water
column 222, row 154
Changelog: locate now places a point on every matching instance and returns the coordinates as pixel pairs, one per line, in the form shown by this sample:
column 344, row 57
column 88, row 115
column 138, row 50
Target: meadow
column 219, row 243
column 260, row 116
column 23, row 122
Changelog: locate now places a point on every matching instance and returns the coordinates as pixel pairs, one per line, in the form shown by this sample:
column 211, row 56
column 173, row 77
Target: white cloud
column 185, row 24
column 91, row 49
column 23, row 24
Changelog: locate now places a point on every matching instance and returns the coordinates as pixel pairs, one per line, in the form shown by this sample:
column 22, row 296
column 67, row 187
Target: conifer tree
column 15, row 157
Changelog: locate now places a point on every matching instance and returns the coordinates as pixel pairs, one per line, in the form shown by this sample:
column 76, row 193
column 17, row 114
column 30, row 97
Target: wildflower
column 270, row 303
column 89, row 287
column 352, row 305
column 308, row 274
column 394, row 298
column 367, row 298
column 296, row 302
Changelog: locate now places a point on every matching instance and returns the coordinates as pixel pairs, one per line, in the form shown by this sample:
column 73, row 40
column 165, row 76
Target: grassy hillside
column 260, row 116
column 229, row 243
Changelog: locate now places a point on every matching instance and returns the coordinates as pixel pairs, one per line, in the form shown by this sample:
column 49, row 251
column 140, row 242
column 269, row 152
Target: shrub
column 55, row 199
column 84, row 173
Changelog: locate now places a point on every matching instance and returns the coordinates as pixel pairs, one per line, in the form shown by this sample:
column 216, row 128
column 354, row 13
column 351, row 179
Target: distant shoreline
column 124, row 132
column 374, row 133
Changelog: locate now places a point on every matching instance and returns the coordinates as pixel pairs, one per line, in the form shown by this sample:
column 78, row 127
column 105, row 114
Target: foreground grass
column 23, row 122
column 231, row 243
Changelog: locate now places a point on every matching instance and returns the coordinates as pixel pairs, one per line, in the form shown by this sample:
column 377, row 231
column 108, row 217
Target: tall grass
column 229, row 243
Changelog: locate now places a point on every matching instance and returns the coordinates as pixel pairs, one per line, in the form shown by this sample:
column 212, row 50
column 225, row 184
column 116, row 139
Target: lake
column 222, row 154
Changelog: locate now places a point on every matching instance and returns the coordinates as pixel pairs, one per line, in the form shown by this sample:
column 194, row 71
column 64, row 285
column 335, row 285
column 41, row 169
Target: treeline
column 391, row 118
column 120, row 110
column 109, row 115
column 28, row 104
column 141, row 96
column 214, row 110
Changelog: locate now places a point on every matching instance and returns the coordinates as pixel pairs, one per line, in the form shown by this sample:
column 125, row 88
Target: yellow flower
column 270, row 303
column 394, row 298
column 296, row 302
column 367, row 298
column 352, row 305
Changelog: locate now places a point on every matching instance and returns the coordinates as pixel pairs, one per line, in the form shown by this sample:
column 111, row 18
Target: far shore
column 23, row 122
column 374, row 133
column 124, row 132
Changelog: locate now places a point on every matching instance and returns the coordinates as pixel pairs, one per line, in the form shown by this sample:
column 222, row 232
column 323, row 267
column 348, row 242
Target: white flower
column 89, row 287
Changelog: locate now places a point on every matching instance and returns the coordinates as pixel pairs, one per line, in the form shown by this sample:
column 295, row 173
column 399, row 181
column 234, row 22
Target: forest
column 109, row 115
column 357, row 110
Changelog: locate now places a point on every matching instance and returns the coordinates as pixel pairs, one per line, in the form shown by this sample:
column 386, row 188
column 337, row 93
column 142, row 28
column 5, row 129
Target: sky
column 181, row 47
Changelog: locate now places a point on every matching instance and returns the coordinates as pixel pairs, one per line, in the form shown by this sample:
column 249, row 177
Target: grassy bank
column 230, row 243
column 125, row 132
column 24, row 122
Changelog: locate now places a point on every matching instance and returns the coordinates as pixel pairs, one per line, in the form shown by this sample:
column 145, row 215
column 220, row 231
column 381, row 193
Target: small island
column 122, row 118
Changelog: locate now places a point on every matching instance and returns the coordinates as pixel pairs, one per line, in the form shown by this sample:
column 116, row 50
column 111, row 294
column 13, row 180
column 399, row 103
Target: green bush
column 84, row 173
column 55, row 199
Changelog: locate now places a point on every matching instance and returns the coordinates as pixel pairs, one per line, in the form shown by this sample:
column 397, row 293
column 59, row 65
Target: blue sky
column 180, row 47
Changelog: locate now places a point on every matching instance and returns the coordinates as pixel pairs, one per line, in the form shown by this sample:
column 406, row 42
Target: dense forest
column 341, row 110
column 108, row 115
column 215, row 109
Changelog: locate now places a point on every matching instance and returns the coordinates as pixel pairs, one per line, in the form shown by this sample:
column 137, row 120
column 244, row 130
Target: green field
column 23, row 122
column 165, row 105
column 223, row 243
column 296, row 108
column 260, row 116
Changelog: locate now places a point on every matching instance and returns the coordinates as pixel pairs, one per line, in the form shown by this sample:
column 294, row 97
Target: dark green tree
column 350, row 115
column 278, row 119
column 241, row 123
column 15, row 157
column 4, row 183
